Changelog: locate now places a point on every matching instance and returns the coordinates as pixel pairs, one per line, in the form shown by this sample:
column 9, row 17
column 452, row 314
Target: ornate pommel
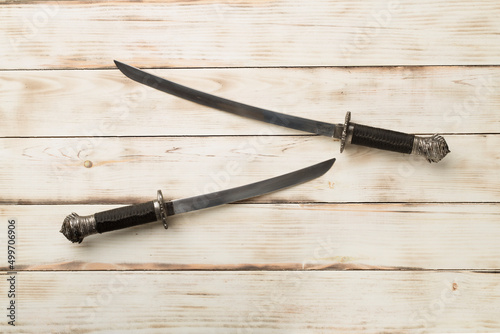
column 75, row 228
column 432, row 148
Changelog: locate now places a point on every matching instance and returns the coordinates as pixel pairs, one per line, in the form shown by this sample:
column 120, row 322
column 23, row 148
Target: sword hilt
column 75, row 228
column 432, row 148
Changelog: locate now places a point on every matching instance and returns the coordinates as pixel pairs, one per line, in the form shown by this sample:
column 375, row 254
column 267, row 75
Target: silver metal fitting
column 160, row 209
column 345, row 134
column 75, row 228
column 432, row 148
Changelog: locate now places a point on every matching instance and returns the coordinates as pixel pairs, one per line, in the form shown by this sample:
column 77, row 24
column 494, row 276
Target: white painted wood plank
column 86, row 34
column 269, row 237
column 130, row 170
column 255, row 302
column 106, row 103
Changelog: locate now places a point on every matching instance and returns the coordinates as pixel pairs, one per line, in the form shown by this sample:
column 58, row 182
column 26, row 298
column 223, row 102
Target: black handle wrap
column 382, row 139
column 119, row 218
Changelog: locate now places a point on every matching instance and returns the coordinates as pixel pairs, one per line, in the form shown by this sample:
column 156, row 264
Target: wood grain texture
column 270, row 237
column 86, row 34
column 130, row 170
column 257, row 302
column 106, row 103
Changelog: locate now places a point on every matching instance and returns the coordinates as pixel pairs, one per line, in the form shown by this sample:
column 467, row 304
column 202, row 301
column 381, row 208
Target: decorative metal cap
column 432, row 148
column 75, row 228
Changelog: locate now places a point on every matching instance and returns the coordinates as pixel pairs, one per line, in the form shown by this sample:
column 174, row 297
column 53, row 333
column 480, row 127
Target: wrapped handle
column 75, row 228
column 432, row 148
column 382, row 139
column 124, row 217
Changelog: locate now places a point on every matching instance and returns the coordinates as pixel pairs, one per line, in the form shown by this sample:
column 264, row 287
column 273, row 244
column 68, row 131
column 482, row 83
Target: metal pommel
column 75, row 228
column 432, row 148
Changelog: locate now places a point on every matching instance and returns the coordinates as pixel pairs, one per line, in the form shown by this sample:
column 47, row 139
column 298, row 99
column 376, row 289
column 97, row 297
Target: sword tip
column 323, row 167
column 330, row 162
column 118, row 63
column 122, row 66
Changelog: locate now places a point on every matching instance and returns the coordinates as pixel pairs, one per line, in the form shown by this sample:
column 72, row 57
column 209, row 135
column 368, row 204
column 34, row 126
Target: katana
column 75, row 228
column 433, row 148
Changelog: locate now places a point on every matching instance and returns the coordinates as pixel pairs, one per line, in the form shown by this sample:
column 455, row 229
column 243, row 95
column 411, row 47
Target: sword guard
column 345, row 131
column 161, row 209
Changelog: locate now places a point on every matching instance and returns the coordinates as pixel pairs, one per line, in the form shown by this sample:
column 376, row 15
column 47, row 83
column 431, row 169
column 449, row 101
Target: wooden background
column 381, row 243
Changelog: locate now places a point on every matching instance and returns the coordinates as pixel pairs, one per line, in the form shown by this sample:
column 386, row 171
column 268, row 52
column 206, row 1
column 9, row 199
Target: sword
column 75, row 228
column 432, row 148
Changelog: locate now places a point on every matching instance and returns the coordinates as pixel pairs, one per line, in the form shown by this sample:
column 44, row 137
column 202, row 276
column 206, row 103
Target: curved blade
column 264, row 115
column 251, row 190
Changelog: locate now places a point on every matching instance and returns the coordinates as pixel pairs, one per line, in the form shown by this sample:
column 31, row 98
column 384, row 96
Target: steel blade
column 205, row 99
column 250, row 190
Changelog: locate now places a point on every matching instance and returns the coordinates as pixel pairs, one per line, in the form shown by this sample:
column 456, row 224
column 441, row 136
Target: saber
column 75, row 228
column 432, row 148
